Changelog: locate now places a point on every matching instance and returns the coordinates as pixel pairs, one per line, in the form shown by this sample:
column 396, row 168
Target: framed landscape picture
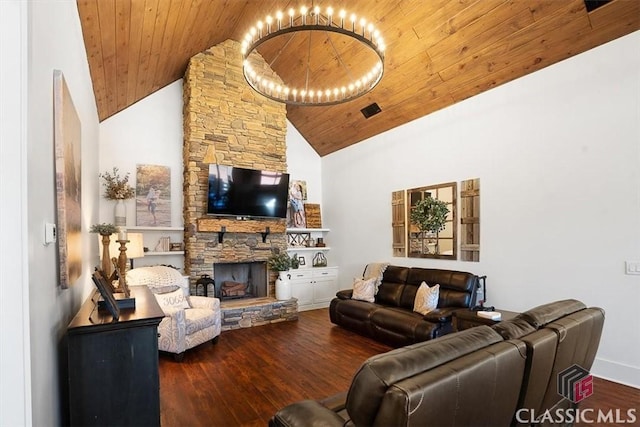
column 153, row 196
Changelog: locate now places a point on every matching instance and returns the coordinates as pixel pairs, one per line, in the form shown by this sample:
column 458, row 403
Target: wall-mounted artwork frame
column 296, row 217
column 153, row 196
column 68, row 170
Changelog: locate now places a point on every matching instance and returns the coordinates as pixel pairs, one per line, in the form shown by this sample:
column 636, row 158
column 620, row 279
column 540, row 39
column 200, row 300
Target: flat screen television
column 247, row 192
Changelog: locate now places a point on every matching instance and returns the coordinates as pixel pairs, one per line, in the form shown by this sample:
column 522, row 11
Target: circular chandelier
column 307, row 22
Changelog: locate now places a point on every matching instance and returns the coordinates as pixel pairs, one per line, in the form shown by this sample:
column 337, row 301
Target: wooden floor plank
column 251, row 373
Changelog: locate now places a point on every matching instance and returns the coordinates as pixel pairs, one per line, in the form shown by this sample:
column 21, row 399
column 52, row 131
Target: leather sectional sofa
column 501, row 375
column 390, row 318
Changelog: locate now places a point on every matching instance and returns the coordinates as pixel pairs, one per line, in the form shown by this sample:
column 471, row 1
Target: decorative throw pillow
column 175, row 299
column 364, row 289
column 426, row 298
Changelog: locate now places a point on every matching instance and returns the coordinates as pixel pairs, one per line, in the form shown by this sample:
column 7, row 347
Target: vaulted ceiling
column 439, row 52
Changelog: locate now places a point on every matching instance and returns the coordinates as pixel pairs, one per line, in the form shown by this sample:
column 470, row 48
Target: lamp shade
column 135, row 247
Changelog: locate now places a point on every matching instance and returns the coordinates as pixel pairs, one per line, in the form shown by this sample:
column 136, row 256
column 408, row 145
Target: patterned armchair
column 189, row 320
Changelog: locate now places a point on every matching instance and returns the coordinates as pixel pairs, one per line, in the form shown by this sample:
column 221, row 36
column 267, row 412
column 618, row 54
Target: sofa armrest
column 344, row 294
column 176, row 314
column 337, row 402
column 204, row 302
column 441, row 315
column 306, row 413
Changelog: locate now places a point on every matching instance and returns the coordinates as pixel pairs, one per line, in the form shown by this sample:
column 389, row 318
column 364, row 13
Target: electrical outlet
column 632, row 267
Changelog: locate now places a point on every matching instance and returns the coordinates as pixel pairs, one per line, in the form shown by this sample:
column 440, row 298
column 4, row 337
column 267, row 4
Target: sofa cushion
column 359, row 310
column 398, row 327
column 392, row 286
column 513, row 328
column 547, row 313
column 364, row 289
column 426, row 298
column 457, row 288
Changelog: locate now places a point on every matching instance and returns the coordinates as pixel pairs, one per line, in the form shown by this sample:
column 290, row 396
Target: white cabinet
column 314, row 287
column 156, row 254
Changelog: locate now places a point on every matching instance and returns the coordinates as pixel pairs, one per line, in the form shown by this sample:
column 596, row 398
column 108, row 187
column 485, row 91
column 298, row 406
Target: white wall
column 15, row 374
column 146, row 133
column 557, row 153
column 49, row 37
column 303, row 163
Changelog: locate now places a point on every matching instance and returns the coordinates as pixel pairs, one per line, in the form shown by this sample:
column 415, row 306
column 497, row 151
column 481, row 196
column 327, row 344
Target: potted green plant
column 281, row 262
column 295, row 262
column 105, row 230
column 430, row 215
column 117, row 188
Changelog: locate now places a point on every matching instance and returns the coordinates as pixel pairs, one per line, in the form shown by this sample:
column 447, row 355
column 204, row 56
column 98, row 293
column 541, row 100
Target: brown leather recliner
column 558, row 335
column 466, row 378
column 390, row 318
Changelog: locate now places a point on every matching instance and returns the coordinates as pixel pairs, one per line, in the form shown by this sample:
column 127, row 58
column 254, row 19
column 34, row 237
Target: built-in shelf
column 307, row 248
column 143, row 228
column 307, row 230
column 152, row 253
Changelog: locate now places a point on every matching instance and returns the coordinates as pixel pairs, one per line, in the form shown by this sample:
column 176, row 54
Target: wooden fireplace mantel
column 233, row 225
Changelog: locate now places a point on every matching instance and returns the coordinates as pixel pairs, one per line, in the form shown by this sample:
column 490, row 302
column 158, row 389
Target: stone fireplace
column 226, row 122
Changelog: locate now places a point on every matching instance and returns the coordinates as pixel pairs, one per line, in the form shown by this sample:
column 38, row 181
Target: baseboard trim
column 617, row 372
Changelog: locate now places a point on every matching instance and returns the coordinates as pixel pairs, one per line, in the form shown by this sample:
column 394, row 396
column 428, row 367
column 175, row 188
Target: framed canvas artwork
column 297, row 196
column 67, row 140
column 153, row 196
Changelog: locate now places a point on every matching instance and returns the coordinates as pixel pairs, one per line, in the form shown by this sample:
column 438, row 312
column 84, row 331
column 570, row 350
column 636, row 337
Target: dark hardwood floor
column 251, row 373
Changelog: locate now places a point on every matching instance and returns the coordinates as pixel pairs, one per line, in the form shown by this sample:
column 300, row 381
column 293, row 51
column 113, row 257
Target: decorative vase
column 283, row 286
column 120, row 213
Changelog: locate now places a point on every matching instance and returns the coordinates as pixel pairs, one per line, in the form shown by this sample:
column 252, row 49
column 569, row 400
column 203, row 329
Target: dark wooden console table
column 113, row 366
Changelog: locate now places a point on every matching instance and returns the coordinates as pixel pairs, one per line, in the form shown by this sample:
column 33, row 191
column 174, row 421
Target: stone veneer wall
column 226, row 122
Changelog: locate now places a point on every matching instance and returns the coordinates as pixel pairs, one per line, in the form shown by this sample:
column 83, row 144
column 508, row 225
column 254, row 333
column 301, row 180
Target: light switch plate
column 632, row 267
column 50, row 233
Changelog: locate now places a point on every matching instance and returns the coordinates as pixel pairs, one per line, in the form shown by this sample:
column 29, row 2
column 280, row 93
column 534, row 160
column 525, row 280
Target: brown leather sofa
column 390, row 318
column 499, row 376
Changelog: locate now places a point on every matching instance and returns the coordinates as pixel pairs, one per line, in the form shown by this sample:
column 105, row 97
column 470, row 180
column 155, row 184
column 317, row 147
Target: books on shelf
column 163, row 245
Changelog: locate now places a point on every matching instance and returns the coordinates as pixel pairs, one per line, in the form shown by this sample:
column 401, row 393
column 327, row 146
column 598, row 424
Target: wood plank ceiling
column 439, row 52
